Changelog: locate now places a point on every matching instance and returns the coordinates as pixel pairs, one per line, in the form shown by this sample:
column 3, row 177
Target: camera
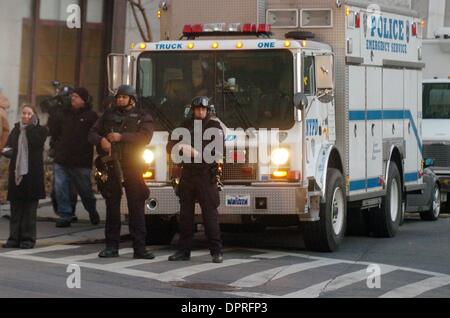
column 61, row 99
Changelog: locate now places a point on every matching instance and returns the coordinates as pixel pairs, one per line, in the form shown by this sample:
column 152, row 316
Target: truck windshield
column 247, row 88
column 436, row 101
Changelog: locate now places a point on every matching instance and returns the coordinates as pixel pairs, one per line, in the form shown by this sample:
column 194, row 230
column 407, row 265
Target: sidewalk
column 81, row 232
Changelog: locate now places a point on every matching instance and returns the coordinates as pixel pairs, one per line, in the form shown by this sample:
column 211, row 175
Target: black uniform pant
column 137, row 193
column 201, row 188
column 22, row 225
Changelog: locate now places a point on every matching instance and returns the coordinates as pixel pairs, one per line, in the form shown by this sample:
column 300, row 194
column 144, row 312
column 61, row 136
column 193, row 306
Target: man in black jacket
column 73, row 156
column 199, row 178
column 122, row 133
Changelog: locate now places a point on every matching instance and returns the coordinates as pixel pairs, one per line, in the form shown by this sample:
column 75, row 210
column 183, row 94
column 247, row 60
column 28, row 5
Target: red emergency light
column 197, row 28
column 224, row 29
column 264, row 28
column 414, row 29
column 249, row 28
column 357, row 21
column 187, row 29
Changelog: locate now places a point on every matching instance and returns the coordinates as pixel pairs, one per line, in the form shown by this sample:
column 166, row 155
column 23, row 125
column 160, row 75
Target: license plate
column 237, row 201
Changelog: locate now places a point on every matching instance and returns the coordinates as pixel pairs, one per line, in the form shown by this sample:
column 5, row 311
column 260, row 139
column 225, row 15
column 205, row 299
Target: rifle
column 116, row 157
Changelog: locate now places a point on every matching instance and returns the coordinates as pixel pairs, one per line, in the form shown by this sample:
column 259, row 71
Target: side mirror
column 325, row 72
column 429, row 163
column 300, row 101
column 120, row 70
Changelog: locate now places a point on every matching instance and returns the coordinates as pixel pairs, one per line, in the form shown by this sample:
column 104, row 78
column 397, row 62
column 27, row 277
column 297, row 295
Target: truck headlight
column 280, row 156
column 148, row 156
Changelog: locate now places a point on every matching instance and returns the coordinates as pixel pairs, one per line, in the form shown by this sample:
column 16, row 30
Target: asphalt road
column 271, row 264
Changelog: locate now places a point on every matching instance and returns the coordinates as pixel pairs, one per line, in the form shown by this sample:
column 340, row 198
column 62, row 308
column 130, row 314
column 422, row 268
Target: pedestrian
column 56, row 106
column 73, row 156
column 198, row 183
column 26, row 178
column 121, row 135
column 4, row 132
column 4, row 124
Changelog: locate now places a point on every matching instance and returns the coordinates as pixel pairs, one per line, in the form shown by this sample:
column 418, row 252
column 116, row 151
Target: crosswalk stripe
column 53, row 248
column 160, row 258
column 136, row 262
column 418, row 288
column 272, row 255
column 252, row 295
column 264, row 277
column 342, row 281
column 181, row 273
column 77, row 258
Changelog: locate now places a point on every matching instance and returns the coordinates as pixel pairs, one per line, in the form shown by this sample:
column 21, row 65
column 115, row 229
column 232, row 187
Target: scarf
column 22, row 155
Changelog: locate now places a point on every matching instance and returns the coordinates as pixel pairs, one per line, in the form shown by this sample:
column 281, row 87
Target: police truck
column 322, row 121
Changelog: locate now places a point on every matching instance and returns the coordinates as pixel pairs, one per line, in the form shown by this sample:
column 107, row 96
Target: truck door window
column 308, row 75
column 436, row 101
column 146, row 73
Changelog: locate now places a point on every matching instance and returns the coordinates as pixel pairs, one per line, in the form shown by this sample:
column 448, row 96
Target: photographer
column 55, row 107
column 73, row 156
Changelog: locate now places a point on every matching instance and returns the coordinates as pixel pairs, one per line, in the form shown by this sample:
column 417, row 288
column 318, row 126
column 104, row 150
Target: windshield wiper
column 157, row 113
column 237, row 108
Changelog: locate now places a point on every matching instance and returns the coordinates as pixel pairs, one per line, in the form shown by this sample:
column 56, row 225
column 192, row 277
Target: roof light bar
column 223, row 29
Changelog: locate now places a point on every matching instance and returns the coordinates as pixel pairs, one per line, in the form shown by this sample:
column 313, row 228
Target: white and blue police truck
column 340, row 98
column 436, row 108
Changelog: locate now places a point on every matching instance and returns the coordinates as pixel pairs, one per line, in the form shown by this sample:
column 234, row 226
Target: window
column 247, row 88
column 55, row 10
column 309, row 79
column 53, row 52
column 447, row 13
column 436, row 101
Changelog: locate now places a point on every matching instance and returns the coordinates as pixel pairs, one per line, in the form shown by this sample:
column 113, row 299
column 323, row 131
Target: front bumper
column 443, row 175
column 237, row 200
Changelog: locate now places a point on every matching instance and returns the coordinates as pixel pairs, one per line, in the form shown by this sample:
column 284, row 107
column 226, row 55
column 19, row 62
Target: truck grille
column 239, row 172
column 439, row 153
column 235, row 172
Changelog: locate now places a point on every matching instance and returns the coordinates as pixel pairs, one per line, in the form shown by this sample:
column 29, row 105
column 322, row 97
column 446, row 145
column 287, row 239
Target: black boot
column 180, row 256
column 95, row 218
column 109, row 253
column 63, row 223
column 143, row 255
column 27, row 245
column 217, row 258
column 10, row 244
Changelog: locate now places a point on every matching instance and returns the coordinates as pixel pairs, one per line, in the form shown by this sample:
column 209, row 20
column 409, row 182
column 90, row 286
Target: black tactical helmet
column 201, row 101
column 127, row 90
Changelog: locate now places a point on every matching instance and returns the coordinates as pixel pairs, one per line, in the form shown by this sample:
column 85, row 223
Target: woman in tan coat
column 4, row 125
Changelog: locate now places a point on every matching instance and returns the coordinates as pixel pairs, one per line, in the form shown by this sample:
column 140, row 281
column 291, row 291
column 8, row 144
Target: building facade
column 63, row 40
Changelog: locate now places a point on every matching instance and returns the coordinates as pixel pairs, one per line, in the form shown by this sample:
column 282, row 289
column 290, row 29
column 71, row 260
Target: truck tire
column 433, row 213
column 327, row 234
column 385, row 221
column 159, row 230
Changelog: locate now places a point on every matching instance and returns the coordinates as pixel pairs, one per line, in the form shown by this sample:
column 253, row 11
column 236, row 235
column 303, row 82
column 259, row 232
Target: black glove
column 7, row 153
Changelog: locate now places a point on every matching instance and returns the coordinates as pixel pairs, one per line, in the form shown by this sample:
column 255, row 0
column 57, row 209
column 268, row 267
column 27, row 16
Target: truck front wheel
column 435, row 209
column 327, row 234
column 385, row 221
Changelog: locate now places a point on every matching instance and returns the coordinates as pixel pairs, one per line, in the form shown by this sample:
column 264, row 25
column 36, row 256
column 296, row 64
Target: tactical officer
column 121, row 135
column 198, row 182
